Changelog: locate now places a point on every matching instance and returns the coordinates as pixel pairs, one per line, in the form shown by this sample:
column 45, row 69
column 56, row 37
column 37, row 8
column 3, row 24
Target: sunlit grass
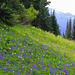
column 31, row 51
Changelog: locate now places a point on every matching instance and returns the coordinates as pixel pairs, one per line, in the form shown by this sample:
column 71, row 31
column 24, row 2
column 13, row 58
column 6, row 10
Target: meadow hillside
column 26, row 50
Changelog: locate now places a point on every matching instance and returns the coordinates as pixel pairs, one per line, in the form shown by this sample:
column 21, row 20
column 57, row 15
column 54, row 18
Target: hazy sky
column 63, row 5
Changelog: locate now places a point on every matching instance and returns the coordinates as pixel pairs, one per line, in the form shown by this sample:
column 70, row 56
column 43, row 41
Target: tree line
column 70, row 30
column 32, row 12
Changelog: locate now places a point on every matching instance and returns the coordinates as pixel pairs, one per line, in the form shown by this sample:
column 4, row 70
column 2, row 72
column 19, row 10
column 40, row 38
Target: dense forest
column 32, row 12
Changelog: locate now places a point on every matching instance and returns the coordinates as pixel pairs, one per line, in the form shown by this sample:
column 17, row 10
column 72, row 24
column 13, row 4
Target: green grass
column 31, row 51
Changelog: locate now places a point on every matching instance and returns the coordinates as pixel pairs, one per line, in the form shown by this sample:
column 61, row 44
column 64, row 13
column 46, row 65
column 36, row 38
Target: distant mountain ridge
column 62, row 19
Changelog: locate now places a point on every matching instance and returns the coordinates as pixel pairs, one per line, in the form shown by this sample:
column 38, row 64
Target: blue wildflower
column 46, row 69
column 4, row 68
column 31, row 66
column 34, row 65
column 48, row 65
column 1, row 57
column 11, row 70
column 11, row 61
column 29, row 73
column 65, row 71
column 22, row 68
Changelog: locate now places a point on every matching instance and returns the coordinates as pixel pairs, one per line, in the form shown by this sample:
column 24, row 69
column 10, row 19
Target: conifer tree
column 69, row 29
column 5, row 13
column 73, row 33
column 55, row 26
column 67, row 32
column 43, row 18
column 63, row 35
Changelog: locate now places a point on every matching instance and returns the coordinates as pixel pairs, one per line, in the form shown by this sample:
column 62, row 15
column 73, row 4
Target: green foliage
column 73, row 30
column 31, row 13
column 28, row 15
column 68, row 30
column 43, row 18
column 55, row 26
column 27, row 3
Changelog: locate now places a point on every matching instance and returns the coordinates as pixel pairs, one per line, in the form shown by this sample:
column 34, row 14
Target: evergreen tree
column 55, row 26
column 73, row 33
column 67, row 32
column 43, row 18
column 63, row 35
column 69, row 29
column 5, row 13
column 27, row 3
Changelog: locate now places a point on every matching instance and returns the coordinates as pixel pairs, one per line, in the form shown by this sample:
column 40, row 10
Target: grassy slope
column 45, row 53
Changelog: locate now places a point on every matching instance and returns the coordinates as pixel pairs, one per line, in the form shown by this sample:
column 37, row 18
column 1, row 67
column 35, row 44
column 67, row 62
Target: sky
column 66, row 6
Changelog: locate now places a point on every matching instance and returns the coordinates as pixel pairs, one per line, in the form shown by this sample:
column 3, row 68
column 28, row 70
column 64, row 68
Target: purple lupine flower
column 4, row 68
column 11, row 54
column 29, row 55
column 11, row 61
column 12, row 41
column 22, row 68
column 11, row 70
column 34, row 65
column 41, row 73
column 29, row 73
column 17, row 65
column 46, row 48
column 51, row 69
column 25, row 62
column 68, row 65
column 18, row 68
column 48, row 65
column 65, row 71
column 1, row 57
column 52, row 53
column 37, row 68
column 12, row 47
column 15, row 70
column 35, row 53
column 17, row 73
column 3, row 52
column 14, row 63
column 60, row 73
column 73, row 65
column 29, row 65
column 33, row 56
column 7, row 70
column 43, row 67
column 46, row 69
column 59, row 68
column 30, row 69
column 57, row 74
column 25, row 56
column 16, row 54
column 41, row 44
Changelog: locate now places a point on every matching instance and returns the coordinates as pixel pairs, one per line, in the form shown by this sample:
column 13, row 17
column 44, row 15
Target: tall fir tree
column 55, row 26
column 73, row 32
column 67, row 32
column 63, row 35
column 70, row 26
column 5, row 13
column 43, row 19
